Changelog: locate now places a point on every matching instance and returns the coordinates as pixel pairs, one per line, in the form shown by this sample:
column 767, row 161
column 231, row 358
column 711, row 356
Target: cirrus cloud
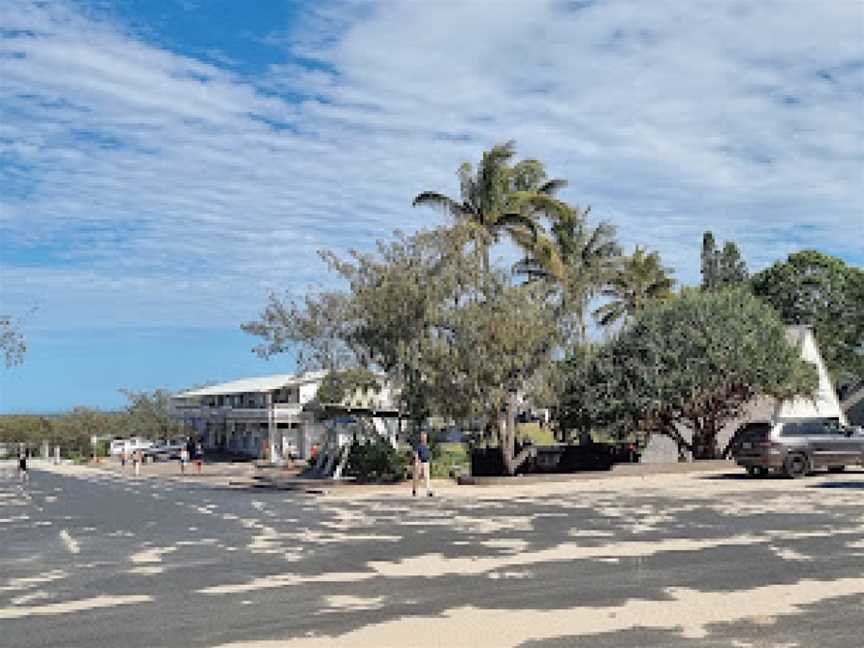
column 144, row 185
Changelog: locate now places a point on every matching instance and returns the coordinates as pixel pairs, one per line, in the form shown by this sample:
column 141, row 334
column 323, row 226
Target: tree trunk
column 507, row 443
column 670, row 430
column 507, row 438
column 705, row 441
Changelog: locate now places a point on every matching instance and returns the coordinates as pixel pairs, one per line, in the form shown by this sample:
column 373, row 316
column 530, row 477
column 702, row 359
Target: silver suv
column 797, row 447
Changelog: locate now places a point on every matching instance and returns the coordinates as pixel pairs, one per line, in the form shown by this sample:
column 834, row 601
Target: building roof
column 252, row 385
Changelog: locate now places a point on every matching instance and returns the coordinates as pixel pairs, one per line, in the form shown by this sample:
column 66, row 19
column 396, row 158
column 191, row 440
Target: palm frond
column 445, row 203
column 511, row 220
column 551, row 187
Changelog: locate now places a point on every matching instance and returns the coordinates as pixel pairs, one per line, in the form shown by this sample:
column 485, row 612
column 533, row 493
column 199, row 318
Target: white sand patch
column 68, row 607
column 286, row 580
column 153, row 555
column 511, row 545
column 489, row 525
column 431, row 565
column 23, row 599
column 513, row 575
column 788, row 554
column 586, row 533
column 17, row 584
column 194, row 543
column 345, row 603
column 687, row 612
column 69, row 542
column 147, row 570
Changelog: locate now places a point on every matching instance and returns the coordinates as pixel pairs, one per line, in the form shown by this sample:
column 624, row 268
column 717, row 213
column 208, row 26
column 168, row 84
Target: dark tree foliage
column 824, row 292
column 721, row 268
column 339, row 385
column 691, row 362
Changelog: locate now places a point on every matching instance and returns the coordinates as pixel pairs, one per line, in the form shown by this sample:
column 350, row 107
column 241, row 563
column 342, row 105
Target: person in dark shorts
column 199, row 457
column 23, row 475
column 422, row 457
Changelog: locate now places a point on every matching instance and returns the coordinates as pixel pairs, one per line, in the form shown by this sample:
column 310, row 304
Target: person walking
column 422, row 455
column 124, row 457
column 23, row 475
column 136, row 462
column 184, row 459
column 199, row 457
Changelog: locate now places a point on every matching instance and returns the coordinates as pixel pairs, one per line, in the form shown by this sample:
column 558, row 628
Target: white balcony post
column 271, row 429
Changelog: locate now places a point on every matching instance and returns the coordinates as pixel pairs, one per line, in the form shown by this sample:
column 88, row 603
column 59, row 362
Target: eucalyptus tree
column 13, row 343
column 457, row 336
column 639, row 280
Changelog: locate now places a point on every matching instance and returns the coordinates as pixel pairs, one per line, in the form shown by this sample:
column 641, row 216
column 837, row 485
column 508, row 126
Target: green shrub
column 447, row 457
column 376, row 460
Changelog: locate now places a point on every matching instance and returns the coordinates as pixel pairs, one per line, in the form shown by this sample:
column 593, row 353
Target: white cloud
column 171, row 189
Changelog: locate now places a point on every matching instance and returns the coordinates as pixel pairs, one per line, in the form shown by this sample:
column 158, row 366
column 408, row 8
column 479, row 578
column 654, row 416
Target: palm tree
column 640, row 280
column 588, row 255
column 499, row 198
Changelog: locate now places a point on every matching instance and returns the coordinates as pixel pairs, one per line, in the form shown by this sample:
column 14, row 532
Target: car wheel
column 836, row 469
column 796, row 465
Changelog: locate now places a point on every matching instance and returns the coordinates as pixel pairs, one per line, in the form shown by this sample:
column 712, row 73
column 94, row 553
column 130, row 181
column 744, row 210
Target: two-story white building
column 276, row 414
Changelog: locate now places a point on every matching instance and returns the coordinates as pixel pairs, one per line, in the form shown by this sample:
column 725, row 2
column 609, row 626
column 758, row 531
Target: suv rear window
column 755, row 432
column 816, row 427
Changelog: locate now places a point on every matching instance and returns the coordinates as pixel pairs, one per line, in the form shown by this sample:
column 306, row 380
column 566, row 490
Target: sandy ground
column 695, row 559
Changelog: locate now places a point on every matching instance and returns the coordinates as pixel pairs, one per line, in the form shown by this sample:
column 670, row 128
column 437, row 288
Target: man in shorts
column 422, row 456
column 199, row 457
column 23, row 475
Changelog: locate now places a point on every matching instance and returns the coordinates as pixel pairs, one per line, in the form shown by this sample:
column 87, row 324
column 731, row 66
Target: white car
column 119, row 446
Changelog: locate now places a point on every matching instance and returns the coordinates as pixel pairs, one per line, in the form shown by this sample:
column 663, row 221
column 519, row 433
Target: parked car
column 119, row 446
column 798, row 447
column 164, row 451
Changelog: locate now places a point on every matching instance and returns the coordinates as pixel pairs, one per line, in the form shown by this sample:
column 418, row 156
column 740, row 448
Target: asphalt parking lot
column 93, row 558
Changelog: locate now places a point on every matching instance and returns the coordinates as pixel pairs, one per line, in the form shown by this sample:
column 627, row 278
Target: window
column 806, row 428
column 755, row 431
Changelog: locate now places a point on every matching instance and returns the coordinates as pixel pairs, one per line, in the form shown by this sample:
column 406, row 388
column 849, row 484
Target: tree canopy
column 822, row 291
column 639, row 280
column 691, row 362
column 721, row 268
column 13, row 344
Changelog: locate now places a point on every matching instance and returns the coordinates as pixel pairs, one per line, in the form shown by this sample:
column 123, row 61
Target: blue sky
column 164, row 164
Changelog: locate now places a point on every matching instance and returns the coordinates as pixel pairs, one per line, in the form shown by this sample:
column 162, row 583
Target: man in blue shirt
column 422, row 456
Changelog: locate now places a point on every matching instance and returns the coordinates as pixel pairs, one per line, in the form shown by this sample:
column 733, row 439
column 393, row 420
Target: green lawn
column 533, row 431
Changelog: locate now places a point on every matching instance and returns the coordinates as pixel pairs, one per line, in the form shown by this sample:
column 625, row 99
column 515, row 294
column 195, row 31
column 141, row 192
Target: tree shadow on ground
column 741, row 476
